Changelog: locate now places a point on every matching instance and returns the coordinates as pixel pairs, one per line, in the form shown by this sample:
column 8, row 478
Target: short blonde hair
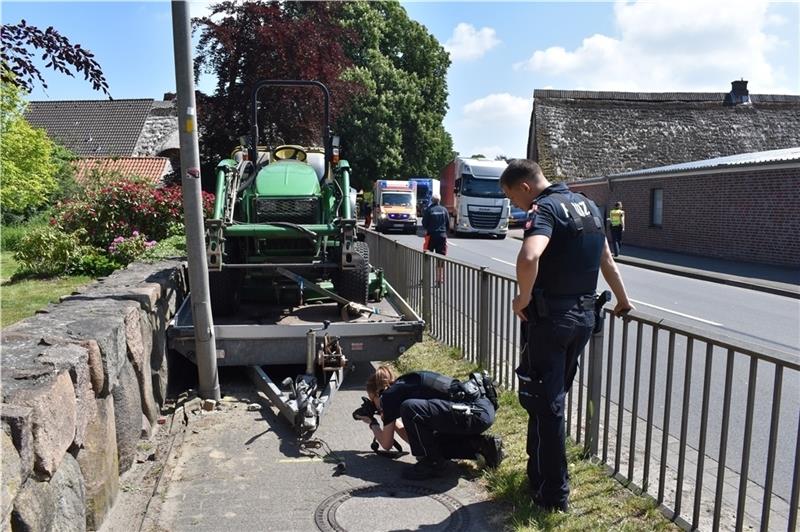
column 383, row 377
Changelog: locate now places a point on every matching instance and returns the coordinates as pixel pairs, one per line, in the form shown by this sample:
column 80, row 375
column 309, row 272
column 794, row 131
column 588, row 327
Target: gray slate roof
column 92, row 127
column 739, row 160
column 581, row 134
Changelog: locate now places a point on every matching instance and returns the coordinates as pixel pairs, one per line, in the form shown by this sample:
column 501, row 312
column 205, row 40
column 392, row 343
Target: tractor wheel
column 224, row 287
column 353, row 284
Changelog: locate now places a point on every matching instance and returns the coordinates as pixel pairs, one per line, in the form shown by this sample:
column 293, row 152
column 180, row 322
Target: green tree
column 27, row 159
column 394, row 126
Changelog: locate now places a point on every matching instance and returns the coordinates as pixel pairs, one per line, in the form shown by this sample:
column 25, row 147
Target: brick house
column 134, row 136
column 740, row 207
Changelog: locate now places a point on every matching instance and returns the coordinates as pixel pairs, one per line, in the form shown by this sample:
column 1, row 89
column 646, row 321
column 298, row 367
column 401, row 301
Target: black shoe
column 424, row 469
column 492, row 450
column 551, row 506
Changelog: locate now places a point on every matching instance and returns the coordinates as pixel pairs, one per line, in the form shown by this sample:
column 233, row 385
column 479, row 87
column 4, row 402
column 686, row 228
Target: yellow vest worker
column 617, row 218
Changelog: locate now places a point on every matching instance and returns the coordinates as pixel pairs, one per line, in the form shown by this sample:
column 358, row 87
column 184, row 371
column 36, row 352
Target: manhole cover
column 390, row 507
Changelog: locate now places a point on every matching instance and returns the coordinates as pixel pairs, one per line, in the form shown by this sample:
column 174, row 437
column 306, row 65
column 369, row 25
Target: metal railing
column 697, row 396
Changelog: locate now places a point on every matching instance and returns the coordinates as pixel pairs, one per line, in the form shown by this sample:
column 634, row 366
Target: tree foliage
column 394, row 127
column 26, row 159
column 242, row 43
column 17, row 42
column 386, row 74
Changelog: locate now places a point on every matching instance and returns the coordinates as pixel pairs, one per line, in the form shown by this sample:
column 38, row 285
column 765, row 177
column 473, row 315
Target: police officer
column 434, row 221
column 617, row 222
column 440, row 417
column 563, row 249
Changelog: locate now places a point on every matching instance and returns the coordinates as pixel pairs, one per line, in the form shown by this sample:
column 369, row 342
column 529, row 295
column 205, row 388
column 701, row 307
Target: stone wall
column 750, row 217
column 584, row 134
column 82, row 382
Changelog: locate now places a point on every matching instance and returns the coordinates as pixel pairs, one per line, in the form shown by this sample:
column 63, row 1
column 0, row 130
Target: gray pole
column 205, row 345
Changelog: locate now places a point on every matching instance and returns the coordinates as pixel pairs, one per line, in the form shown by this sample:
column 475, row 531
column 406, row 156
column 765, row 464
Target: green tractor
column 282, row 208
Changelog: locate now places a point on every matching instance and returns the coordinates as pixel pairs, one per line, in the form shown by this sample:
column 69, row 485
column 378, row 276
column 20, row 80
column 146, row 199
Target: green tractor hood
column 287, row 178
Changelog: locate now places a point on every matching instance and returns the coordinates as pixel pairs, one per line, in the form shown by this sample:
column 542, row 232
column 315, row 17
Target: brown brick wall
column 743, row 215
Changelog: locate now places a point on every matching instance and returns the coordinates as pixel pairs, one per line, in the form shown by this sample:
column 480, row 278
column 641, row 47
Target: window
column 656, row 207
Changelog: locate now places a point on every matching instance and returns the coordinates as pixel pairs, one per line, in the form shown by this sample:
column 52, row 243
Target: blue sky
column 501, row 52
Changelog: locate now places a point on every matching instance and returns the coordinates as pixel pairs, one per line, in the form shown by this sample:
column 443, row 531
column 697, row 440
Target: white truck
column 471, row 193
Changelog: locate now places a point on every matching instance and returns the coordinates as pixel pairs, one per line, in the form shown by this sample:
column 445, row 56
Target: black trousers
column 437, row 431
column 551, row 348
column 616, row 239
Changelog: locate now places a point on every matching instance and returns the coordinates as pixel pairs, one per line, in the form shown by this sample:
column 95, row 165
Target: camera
column 367, row 409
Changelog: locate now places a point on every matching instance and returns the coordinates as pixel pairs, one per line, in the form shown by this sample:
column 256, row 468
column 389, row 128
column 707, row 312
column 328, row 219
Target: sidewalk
column 761, row 277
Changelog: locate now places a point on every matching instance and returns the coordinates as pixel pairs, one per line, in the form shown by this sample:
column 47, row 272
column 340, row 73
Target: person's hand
column 519, row 305
column 622, row 307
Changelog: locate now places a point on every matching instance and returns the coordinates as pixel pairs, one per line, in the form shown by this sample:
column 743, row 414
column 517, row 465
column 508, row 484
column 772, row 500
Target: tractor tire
column 224, row 288
column 353, row 284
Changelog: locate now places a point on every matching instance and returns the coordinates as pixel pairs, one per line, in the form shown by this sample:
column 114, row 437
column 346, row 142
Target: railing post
column 427, row 292
column 595, row 384
column 483, row 319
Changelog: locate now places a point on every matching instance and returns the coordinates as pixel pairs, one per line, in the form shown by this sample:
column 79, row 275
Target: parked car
column 517, row 217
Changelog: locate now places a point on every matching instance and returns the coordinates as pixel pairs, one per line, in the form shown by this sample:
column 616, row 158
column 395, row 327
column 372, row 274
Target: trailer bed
column 270, row 334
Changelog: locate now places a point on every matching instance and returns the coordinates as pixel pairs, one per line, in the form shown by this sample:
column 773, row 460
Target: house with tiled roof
column 577, row 135
column 135, row 136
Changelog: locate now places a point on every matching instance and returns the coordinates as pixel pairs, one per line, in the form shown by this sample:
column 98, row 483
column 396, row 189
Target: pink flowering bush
column 122, row 207
column 126, row 250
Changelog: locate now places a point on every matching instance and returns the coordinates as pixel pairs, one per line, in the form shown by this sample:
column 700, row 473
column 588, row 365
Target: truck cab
column 472, row 195
column 395, row 206
column 427, row 188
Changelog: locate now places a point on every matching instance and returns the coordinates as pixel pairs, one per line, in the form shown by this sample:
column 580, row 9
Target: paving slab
column 238, row 468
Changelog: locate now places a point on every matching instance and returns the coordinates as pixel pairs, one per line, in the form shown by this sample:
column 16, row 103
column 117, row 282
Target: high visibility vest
column 616, row 217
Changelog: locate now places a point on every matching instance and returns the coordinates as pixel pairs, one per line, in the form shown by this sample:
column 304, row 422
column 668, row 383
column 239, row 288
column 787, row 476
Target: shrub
column 126, row 250
column 125, row 206
column 47, row 252
column 93, row 262
column 11, row 235
column 169, row 248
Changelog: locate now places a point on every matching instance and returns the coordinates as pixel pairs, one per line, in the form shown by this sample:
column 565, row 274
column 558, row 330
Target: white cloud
column 496, row 124
column 672, row 46
column 467, row 43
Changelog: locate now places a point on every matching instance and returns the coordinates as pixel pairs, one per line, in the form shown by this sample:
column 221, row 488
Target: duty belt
column 545, row 304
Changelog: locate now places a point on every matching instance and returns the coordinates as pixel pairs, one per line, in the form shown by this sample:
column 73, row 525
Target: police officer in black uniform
column 440, row 417
column 563, row 249
column 435, row 221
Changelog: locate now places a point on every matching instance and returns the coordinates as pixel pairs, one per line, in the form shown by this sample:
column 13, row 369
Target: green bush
column 169, row 248
column 47, row 252
column 93, row 262
column 11, row 234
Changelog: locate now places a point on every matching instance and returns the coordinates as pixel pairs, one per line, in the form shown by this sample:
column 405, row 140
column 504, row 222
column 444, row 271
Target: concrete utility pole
column 205, row 344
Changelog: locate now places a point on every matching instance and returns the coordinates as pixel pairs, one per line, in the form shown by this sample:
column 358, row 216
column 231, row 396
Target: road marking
column 299, row 460
column 503, row 261
column 450, row 243
column 678, row 313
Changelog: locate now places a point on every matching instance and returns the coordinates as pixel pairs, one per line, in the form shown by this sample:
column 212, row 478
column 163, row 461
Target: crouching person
column 440, row 417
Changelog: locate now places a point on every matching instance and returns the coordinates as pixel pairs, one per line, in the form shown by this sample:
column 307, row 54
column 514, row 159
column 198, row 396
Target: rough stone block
column 57, row 505
column 11, row 469
column 128, row 416
column 18, row 424
column 99, row 463
column 139, row 342
column 74, row 358
column 52, row 400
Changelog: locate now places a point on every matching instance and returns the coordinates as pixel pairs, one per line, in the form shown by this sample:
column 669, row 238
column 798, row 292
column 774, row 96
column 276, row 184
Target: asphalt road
column 755, row 317
column 720, row 310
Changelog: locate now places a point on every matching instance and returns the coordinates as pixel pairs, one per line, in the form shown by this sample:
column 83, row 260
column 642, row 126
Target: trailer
column 320, row 333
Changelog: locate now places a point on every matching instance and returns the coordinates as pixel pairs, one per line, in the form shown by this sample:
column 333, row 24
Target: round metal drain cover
column 390, row 507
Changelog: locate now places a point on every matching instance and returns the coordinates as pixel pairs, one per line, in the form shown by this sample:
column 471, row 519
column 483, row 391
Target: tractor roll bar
column 253, row 150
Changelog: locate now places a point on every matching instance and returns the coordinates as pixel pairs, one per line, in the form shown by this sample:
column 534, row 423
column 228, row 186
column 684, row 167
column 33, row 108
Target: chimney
column 169, row 96
column 739, row 95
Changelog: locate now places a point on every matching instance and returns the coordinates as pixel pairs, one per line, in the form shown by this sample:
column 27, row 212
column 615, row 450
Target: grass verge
column 597, row 501
column 23, row 298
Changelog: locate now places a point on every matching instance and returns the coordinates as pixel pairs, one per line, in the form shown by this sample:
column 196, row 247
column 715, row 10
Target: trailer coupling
column 302, row 401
